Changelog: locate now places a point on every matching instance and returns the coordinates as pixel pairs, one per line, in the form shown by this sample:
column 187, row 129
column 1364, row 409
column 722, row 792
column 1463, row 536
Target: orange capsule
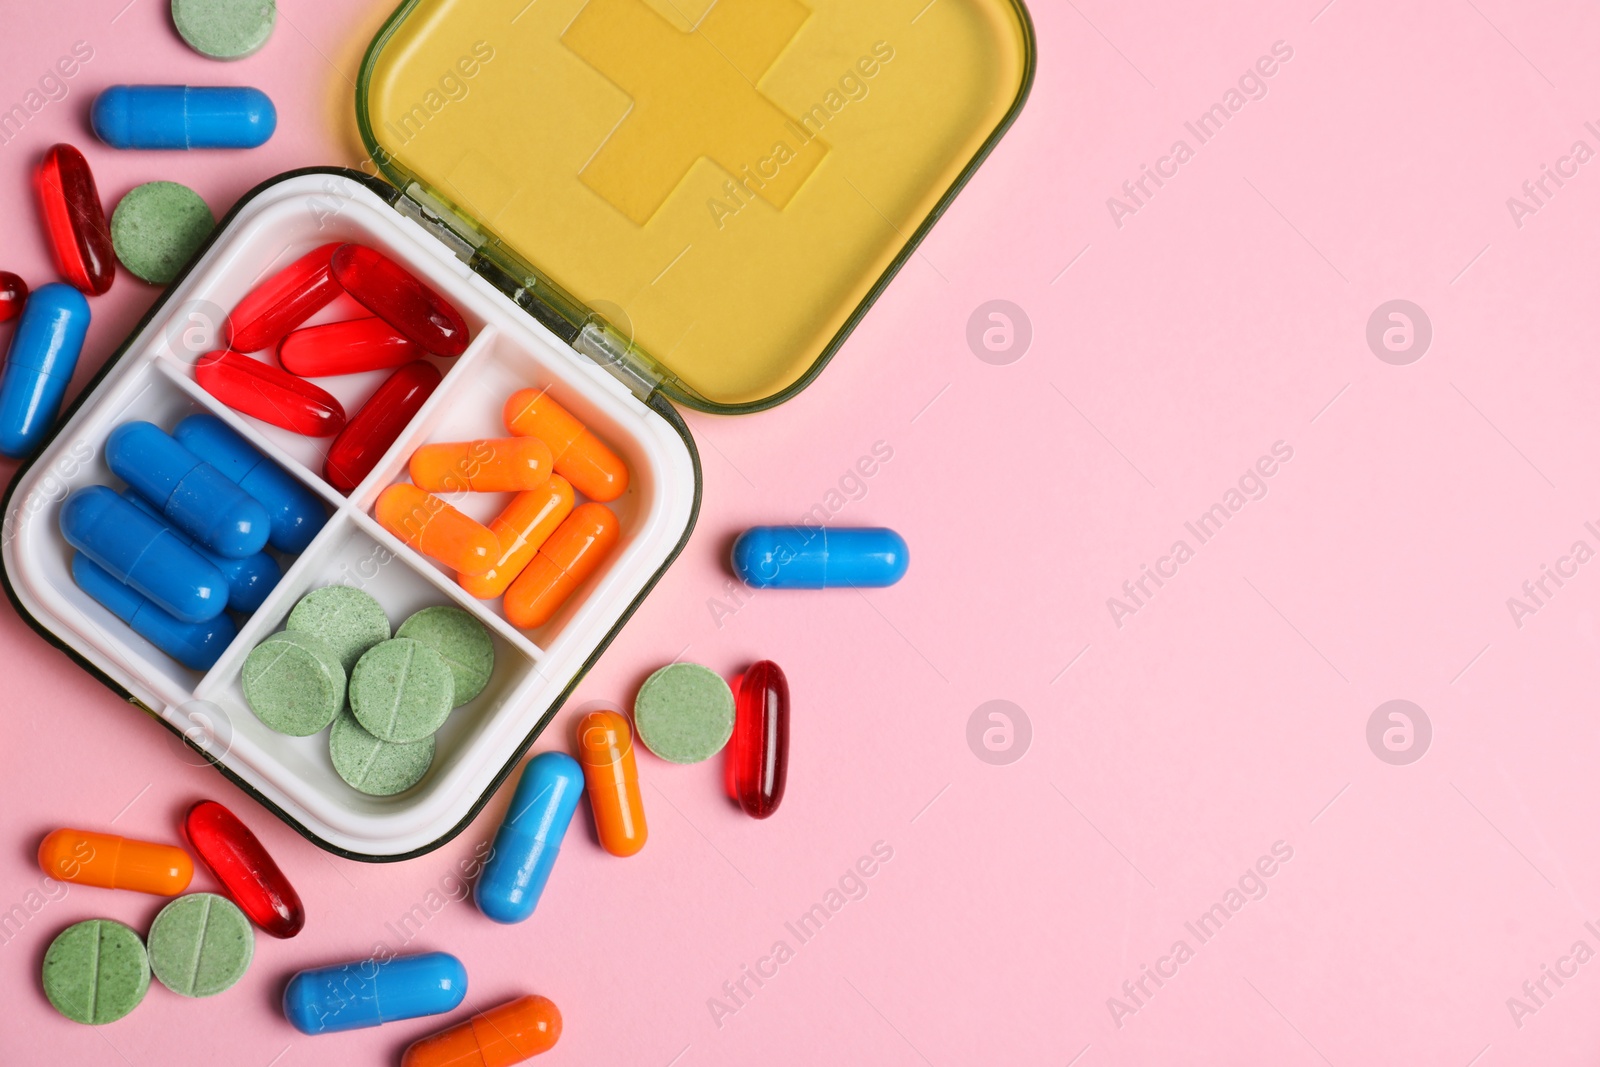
column 499, row 1037
column 436, row 529
column 611, row 778
column 570, row 555
column 521, row 529
column 111, row 862
column 581, row 457
column 501, row 465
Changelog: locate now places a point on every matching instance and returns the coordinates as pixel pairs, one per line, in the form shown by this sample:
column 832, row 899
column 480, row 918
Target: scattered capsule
column 436, row 529
column 381, row 420
column 525, row 525
column 758, row 758
column 183, row 117
column 13, row 294
column 819, row 557
column 84, row 857
column 44, row 352
column 294, row 510
column 346, row 348
column 75, row 220
column 580, row 457
column 605, row 748
column 399, row 298
column 236, row 856
column 140, row 551
column 192, row 494
column 262, row 391
column 270, row 310
column 578, row 546
column 499, row 1037
column 196, row 645
column 527, row 842
column 365, row 993
column 501, row 465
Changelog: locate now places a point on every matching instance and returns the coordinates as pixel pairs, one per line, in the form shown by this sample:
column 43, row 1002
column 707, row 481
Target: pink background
column 1229, row 713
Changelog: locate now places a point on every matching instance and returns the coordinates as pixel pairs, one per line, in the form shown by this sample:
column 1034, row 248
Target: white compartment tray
column 152, row 378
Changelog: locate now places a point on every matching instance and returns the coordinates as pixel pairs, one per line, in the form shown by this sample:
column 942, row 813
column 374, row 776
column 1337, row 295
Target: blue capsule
column 192, row 494
column 182, row 116
column 819, row 557
column 351, row 996
column 526, row 845
column 196, row 645
column 44, row 353
column 297, row 515
column 249, row 579
column 141, row 552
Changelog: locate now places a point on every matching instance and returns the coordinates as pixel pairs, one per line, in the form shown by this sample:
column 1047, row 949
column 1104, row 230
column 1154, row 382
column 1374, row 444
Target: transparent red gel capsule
column 346, row 348
column 758, row 758
column 262, row 391
column 74, row 220
column 282, row 302
column 13, row 293
column 402, row 300
column 381, row 419
column 242, row 865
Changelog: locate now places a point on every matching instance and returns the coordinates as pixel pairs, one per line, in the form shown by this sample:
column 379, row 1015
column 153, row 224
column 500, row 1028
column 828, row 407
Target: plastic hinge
column 453, row 231
column 625, row 363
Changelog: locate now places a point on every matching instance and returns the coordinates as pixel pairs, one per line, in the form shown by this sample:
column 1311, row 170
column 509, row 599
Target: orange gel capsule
column 581, row 457
column 572, row 553
column 436, row 529
column 521, row 529
column 501, row 465
column 611, row 778
column 111, row 862
column 499, row 1037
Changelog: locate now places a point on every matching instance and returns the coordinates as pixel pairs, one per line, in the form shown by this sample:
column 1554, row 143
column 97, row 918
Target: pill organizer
column 636, row 204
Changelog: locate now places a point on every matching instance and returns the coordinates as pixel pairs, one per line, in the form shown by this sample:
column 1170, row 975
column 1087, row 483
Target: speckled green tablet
column 294, row 682
column 402, row 690
column 158, row 227
column 375, row 767
column 200, row 945
column 684, row 713
column 461, row 640
column 96, row 971
column 225, row 29
column 345, row 617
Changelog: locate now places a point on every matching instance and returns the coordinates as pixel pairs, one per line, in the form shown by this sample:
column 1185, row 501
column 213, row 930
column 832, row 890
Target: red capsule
column 264, row 392
column 375, row 427
column 282, row 302
column 13, row 292
column 758, row 758
column 401, row 299
column 242, row 865
column 74, row 220
column 346, row 348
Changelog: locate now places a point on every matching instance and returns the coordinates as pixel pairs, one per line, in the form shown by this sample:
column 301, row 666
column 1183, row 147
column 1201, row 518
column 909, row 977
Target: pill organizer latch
column 462, row 239
column 626, row 363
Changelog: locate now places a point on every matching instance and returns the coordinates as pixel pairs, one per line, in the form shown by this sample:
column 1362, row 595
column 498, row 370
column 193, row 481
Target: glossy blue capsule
column 182, row 116
column 526, row 845
column 143, row 553
column 249, row 579
column 297, row 515
column 351, row 996
column 196, row 645
column 44, row 353
column 819, row 557
column 189, row 492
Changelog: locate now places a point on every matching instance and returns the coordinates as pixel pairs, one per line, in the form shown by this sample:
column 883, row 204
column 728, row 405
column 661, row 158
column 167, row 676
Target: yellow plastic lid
column 727, row 183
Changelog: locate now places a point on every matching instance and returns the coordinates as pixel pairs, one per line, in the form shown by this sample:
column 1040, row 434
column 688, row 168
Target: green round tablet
column 158, row 227
column 225, row 29
column 402, row 690
column 684, row 713
column 200, row 945
column 294, row 682
column 461, row 640
column 345, row 617
column 96, row 971
column 375, row 767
